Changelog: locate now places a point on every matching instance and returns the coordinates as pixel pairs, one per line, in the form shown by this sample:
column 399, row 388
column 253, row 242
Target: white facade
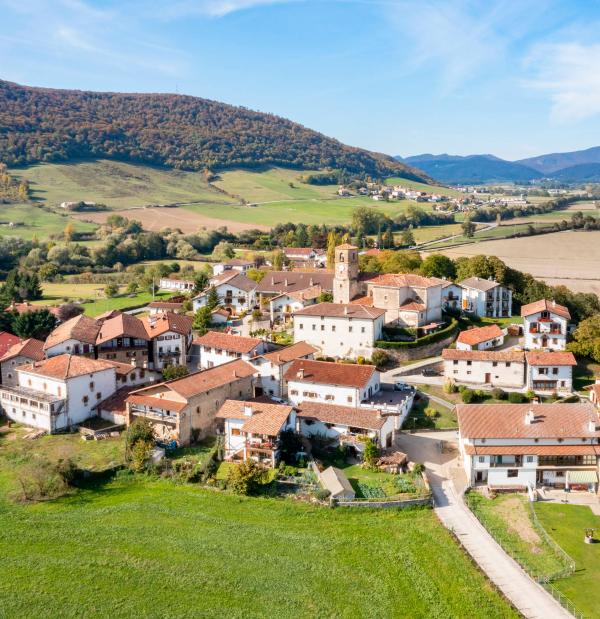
column 452, row 297
column 493, row 373
column 169, row 348
column 549, row 378
column 283, row 304
column 176, row 285
column 494, row 303
column 52, row 404
column 211, row 356
column 230, row 296
column 339, row 336
column 71, row 347
column 304, row 391
column 545, row 330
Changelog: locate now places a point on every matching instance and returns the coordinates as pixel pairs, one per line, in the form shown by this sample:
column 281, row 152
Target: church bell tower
column 345, row 278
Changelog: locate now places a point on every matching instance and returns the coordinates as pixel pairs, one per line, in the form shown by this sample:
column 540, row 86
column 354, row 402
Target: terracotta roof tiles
column 363, row 418
column 30, row 349
column 289, row 353
column 167, row 321
column 543, row 305
column 265, row 418
column 472, row 337
column 226, row 341
column 559, row 357
column 121, row 325
column 81, row 328
column 326, row 373
column 66, row 366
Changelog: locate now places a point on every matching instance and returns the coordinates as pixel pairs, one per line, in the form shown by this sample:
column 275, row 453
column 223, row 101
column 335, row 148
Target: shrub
column 172, row 372
column 571, row 398
column 321, row 494
column 431, row 412
column 370, row 453
column 111, row 290
column 514, row 397
column 360, row 360
column 498, row 394
column 530, row 395
column 426, row 339
column 468, row 396
column 479, row 395
column 245, row 478
column 450, row 387
column 380, row 358
column 43, row 479
column 418, row 468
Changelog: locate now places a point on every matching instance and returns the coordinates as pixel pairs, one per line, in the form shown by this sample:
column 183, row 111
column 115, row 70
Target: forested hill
column 40, row 124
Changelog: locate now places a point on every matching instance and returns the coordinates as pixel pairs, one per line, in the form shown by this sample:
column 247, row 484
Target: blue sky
column 514, row 78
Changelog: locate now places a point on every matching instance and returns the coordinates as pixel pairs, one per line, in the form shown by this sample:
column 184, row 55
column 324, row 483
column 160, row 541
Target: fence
column 543, row 580
column 401, row 503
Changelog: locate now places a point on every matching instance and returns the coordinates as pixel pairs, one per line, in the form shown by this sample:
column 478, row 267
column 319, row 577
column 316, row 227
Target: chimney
column 345, row 310
column 247, row 410
column 310, row 282
column 592, row 427
column 235, row 374
column 529, row 417
column 285, row 281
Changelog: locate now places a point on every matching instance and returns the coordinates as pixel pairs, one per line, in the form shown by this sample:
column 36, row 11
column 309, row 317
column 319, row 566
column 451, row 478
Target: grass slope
column 565, row 523
column 442, row 190
column 155, row 549
column 116, row 184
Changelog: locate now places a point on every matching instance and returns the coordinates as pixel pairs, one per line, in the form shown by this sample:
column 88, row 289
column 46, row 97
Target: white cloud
column 568, row 73
column 216, row 8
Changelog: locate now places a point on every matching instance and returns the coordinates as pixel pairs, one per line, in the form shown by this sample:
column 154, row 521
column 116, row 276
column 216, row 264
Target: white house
column 176, row 285
column 235, row 264
column 158, row 307
column 305, row 256
column 347, row 424
column 273, row 365
column 170, row 337
column 57, row 393
column 235, row 291
column 331, row 383
column 285, row 304
column 481, row 338
column 340, row 330
column 529, row 445
column 251, row 429
column 504, row 368
column 451, row 296
column 550, row 371
column 545, row 324
column 485, row 297
column 215, row 348
column 76, row 336
column 18, row 354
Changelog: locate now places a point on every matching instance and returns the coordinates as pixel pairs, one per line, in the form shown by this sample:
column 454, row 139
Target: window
column 349, row 399
column 322, row 327
column 85, row 399
column 294, row 392
column 92, row 386
column 314, row 327
column 300, row 326
column 235, row 432
column 329, row 397
column 529, row 459
column 554, row 370
column 468, row 371
column 507, row 364
column 98, row 395
column 512, row 473
column 362, row 329
column 543, row 371
column 469, row 363
column 455, row 362
column 494, row 364
column 481, row 458
column 350, row 329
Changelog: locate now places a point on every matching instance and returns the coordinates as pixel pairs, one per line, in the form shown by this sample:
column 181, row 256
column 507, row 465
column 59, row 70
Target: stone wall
column 422, row 352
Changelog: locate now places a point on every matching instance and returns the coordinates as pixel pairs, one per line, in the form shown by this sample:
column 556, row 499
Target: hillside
column 555, row 162
column 471, row 169
column 178, row 131
column 580, row 173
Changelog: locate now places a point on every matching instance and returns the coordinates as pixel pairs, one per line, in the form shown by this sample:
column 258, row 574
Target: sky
column 513, row 78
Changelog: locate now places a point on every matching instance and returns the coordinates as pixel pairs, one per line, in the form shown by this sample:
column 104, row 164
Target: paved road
column 447, row 483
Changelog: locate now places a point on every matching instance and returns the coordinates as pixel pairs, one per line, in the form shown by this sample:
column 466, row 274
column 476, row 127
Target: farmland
column 573, row 260
column 189, row 552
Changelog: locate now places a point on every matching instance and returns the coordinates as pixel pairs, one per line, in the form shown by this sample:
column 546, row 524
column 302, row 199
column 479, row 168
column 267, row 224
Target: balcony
column 155, row 415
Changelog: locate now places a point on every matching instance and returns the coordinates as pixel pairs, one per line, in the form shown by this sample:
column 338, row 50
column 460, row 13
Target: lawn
column 32, row 220
column 116, row 184
column 417, row 419
column 585, row 374
column 426, row 234
column 565, row 524
column 508, row 518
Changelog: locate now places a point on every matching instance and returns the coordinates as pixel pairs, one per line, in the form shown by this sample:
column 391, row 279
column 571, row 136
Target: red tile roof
column 278, row 282
column 166, row 305
column 326, row 373
column 66, row 366
column 167, row 321
column 139, row 397
column 289, row 353
column 341, row 310
column 364, row 418
column 366, row 301
column 117, row 402
column 30, row 349
column 545, row 305
column 266, row 418
column 6, row 341
column 122, row 325
column 226, row 341
column 472, row 337
column 483, row 355
column 81, row 328
column 23, row 308
column 559, row 357
column 401, row 280
column 412, row 306
column 346, row 246
column 508, row 420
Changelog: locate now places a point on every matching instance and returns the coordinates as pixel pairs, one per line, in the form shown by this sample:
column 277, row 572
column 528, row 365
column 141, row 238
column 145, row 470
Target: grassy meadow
column 151, row 548
column 440, row 189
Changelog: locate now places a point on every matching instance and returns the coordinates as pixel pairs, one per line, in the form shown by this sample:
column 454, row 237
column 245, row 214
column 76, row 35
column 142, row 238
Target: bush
column 431, row 412
column 498, row 394
column 530, row 395
column 418, row 468
column 246, row 478
column 171, row 372
column 422, row 341
column 514, row 397
column 43, row 479
column 571, row 399
column 380, row 358
column 468, row 396
column 450, row 387
column 321, row 494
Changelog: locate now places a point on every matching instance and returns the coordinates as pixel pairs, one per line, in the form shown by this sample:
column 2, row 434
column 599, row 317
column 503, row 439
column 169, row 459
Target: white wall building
column 235, row 291
column 176, row 285
column 545, row 324
column 76, row 336
column 59, row 392
column 481, row 338
column 170, row 337
column 331, row 383
column 485, row 367
column 340, row 330
column 215, row 348
column 550, row 371
column 529, row 445
column 24, row 352
column 485, row 297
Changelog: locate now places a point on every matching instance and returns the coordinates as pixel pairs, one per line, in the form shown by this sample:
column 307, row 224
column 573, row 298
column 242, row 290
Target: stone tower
column 345, row 277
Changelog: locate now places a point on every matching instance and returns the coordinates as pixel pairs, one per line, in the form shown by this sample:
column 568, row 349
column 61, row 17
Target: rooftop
column 289, row 353
column 66, row 366
column 226, row 341
column 167, row 321
column 402, row 280
column 472, row 337
column 484, row 355
column 264, row 418
column 544, row 305
column 363, row 418
column 479, row 283
column 341, row 310
column 232, row 278
column 293, row 281
column 81, row 328
column 508, row 420
column 6, row 341
column 327, row 373
column 540, row 357
column 121, row 325
column 31, row 349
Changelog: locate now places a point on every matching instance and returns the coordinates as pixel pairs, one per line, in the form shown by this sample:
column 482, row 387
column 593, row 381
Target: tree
column 278, row 260
column 586, row 339
column 202, row 320
column 370, row 453
column 69, row 310
column 139, row 440
column 68, row 232
column 468, row 227
column 200, row 282
column 111, row 290
column 171, row 372
column 212, row 298
column 37, row 324
column 407, row 238
column 301, row 235
column 223, row 251
column 331, row 243
column 255, row 274
column 245, row 478
column 325, row 297
column 388, row 238
column 436, row 265
column 132, row 287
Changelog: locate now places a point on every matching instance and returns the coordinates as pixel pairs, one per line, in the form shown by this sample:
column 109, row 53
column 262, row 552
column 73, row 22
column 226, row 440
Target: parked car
column 400, row 386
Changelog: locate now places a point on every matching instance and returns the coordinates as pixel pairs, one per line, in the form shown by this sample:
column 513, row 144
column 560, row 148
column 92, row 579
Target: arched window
column 341, row 257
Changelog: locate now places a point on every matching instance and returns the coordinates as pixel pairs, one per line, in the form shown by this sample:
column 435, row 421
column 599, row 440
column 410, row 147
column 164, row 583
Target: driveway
column 438, row 451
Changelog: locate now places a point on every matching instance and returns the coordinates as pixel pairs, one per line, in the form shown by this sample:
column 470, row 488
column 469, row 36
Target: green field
column 30, row 220
column 444, row 191
column 116, row 184
column 426, row 234
column 565, row 524
column 152, row 548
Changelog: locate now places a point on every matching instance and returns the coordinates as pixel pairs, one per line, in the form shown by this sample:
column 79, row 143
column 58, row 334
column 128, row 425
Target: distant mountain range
column 572, row 167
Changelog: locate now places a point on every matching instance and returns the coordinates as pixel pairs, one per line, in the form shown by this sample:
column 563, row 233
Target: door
column 478, row 476
column 488, row 378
